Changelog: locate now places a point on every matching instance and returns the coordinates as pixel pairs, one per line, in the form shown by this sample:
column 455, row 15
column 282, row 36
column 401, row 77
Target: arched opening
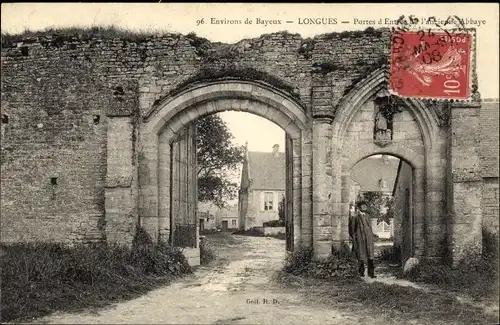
column 243, row 198
column 168, row 123
column 386, row 184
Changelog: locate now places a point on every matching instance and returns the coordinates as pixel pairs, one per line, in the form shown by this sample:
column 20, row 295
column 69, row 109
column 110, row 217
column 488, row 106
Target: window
column 233, row 222
column 268, row 201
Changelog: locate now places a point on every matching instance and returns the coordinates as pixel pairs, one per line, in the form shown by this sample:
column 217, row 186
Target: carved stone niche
column 386, row 106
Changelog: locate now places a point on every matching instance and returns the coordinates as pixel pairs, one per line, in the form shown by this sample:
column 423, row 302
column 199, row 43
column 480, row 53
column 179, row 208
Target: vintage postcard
column 222, row 163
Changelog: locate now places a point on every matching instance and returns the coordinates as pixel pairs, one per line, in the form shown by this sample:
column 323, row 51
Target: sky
column 197, row 17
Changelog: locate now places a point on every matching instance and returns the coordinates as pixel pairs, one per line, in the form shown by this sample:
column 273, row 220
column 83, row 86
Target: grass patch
column 231, row 72
column 59, row 36
column 40, row 278
column 207, row 253
column 474, row 275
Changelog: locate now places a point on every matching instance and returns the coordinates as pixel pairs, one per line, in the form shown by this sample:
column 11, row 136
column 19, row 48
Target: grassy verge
column 40, row 278
column 476, row 276
column 395, row 304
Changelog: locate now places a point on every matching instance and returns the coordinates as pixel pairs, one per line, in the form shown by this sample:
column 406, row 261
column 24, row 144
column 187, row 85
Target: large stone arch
column 162, row 127
column 424, row 149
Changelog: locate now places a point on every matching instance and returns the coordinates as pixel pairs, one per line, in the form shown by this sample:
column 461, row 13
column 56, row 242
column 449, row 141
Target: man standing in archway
column 360, row 231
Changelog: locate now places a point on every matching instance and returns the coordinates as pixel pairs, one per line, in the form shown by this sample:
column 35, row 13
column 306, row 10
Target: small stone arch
column 415, row 159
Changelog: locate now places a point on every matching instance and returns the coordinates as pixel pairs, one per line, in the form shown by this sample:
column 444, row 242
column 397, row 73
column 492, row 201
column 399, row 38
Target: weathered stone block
column 119, row 152
column 322, row 249
column 322, row 220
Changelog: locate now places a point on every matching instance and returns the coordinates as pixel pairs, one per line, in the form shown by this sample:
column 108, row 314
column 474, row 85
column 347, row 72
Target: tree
column 217, row 157
column 389, row 214
column 377, row 205
column 281, row 211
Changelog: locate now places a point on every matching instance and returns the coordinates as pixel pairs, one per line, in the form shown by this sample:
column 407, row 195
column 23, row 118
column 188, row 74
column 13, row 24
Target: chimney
column 276, row 150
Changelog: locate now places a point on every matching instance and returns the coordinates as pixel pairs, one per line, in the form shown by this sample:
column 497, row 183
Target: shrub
column 279, row 235
column 207, row 253
column 339, row 265
column 390, row 254
column 298, row 262
column 274, row 223
column 39, row 278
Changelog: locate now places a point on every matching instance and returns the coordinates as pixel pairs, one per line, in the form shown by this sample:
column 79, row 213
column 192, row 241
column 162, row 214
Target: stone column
column 164, row 180
column 297, row 191
column 322, row 187
column 307, row 189
column 120, row 201
column 346, row 200
column 193, row 181
column 464, row 180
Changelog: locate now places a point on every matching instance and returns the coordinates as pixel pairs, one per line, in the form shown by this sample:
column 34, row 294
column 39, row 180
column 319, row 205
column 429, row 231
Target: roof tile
column 267, row 170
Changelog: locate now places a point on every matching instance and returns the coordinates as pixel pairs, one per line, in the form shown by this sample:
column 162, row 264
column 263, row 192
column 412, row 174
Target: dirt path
column 239, row 292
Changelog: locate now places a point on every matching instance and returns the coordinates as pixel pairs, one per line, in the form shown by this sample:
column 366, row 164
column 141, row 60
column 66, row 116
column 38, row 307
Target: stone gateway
column 97, row 136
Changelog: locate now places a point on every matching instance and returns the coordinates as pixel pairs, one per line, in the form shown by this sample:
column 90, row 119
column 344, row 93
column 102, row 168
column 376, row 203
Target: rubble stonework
column 86, row 149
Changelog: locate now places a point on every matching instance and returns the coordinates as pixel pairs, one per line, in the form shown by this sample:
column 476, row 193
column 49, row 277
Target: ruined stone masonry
column 97, row 135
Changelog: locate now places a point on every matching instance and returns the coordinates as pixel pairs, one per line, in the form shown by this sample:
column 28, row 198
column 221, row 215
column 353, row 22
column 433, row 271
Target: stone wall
column 489, row 127
column 465, row 181
column 87, row 121
column 489, row 205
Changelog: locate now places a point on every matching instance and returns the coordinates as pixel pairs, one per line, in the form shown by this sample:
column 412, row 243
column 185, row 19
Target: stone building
column 262, row 187
column 228, row 219
column 97, row 135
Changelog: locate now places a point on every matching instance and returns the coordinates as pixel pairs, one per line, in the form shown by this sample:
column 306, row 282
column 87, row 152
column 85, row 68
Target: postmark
column 431, row 63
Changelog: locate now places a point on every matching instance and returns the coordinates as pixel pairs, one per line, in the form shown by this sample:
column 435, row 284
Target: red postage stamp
column 428, row 64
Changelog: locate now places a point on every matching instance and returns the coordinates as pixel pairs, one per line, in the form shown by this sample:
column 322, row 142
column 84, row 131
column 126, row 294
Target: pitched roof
column 229, row 212
column 267, row 170
column 368, row 173
column 488, row 148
